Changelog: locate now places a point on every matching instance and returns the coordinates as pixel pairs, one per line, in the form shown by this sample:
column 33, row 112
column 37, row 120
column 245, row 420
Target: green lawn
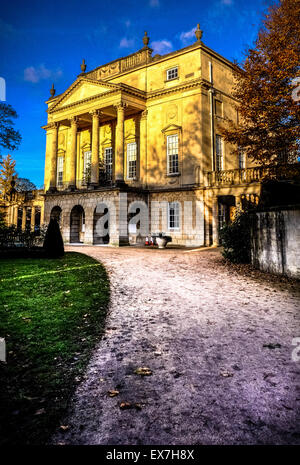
column 52, row 311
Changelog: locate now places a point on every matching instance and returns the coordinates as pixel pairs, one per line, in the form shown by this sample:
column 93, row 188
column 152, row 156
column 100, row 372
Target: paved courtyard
column 217, row 339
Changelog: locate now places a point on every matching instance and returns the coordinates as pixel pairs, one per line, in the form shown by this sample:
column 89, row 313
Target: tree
column 53, row 243
column 269, row 113
column 24, row 185
column 9, row 137
column 7, row 172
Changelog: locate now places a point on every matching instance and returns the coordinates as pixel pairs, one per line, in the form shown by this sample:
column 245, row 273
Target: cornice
column 156, row 94
column 180, row 87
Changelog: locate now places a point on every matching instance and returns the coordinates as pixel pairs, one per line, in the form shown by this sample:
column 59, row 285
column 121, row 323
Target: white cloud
column 187, row 36
column 227, row 2
column 154, row 3
column 126, row 43
column 36, row 74
column 162, row 46
column 128, row 23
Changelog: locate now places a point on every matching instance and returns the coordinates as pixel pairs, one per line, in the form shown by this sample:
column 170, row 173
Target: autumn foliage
column 268, row 90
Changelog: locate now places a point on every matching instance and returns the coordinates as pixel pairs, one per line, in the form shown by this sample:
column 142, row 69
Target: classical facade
column 144, row 131
column 25, row 210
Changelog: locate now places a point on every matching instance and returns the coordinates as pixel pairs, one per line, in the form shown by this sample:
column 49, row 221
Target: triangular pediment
column 82, row 89
column 171, row 127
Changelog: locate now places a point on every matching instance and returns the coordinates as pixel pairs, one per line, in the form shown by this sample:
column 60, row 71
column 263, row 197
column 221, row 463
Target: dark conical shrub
column 53, row 243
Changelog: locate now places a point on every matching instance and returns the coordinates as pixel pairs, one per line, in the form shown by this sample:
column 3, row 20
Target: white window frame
column 60, row 171
column 176, row 206
column 219, row 153
column 87, row 159
column 172, row 73
column 131, row 157
column 108, row 166
column 171, row 152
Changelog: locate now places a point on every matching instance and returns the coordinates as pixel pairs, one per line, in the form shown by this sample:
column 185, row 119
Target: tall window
column 219, row 153
column 172, row 154
column 87, row 159
column 60, row 171
column 242, row 159
column 108, row 161
column 172, row 73
column 131, row 160
column 173, row 215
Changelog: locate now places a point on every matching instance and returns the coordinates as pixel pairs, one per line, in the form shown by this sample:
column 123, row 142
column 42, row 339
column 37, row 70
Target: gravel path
column 200, row 326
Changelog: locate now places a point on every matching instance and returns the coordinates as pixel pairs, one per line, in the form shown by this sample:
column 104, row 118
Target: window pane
column 173, row 215
column 242, row 163
column 219, row 153
column 172, row 153
column 108, row 161
column 172, row 73
column 60, row 171
column 131, row 160
column 87, row 156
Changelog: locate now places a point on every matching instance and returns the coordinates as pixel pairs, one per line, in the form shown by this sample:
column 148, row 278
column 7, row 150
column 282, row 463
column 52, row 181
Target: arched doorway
column 101, row 225
column 56, row 214
column 77, row 224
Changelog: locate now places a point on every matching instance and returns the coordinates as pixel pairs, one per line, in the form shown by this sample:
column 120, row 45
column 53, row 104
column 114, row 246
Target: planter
column 161, row 242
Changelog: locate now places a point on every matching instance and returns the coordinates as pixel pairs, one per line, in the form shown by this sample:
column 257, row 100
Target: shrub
column 235, row 238
column 53, row 243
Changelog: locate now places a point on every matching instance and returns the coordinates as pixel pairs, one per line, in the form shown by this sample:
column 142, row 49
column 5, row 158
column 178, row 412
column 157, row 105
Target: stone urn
column 161, row 242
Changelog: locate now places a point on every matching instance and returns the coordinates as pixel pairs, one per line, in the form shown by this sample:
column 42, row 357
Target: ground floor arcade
column 191, row 217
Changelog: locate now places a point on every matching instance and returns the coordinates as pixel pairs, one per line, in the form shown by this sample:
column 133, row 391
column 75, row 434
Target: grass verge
column 52, row 312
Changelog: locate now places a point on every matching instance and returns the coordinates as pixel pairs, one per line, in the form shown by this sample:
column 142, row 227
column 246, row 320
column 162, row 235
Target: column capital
column 49, row 126
column 144, row 114
column 74, row 120
column 120, row 106
column 96, row 113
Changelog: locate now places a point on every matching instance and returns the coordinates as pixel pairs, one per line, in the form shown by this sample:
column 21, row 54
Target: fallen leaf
column 143, row 371
column 226, row 374
column 129, row 405
column 64, row 427
column 112, row 393
column 125, row 405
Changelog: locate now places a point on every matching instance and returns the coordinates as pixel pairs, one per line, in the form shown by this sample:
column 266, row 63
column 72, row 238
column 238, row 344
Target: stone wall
column 191, row 230
column 276, row 240
column 126, row 211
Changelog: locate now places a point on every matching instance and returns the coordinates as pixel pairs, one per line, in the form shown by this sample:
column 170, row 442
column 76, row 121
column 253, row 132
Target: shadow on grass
column 52, row 312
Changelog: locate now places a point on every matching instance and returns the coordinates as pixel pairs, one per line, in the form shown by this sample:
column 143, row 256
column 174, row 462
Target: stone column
column 14, row 215
column 95, row 148
column 53, row 156
column 71, row 170
column 143, row 148
column 32, row 220
column 119, row 158
column 23, row 218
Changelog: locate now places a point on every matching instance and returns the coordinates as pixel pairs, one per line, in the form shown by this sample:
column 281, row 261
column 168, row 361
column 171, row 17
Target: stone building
column 25, row 210
column 146, row 129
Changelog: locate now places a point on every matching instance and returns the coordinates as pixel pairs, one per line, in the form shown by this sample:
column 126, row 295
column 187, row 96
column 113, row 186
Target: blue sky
column 43, row 42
